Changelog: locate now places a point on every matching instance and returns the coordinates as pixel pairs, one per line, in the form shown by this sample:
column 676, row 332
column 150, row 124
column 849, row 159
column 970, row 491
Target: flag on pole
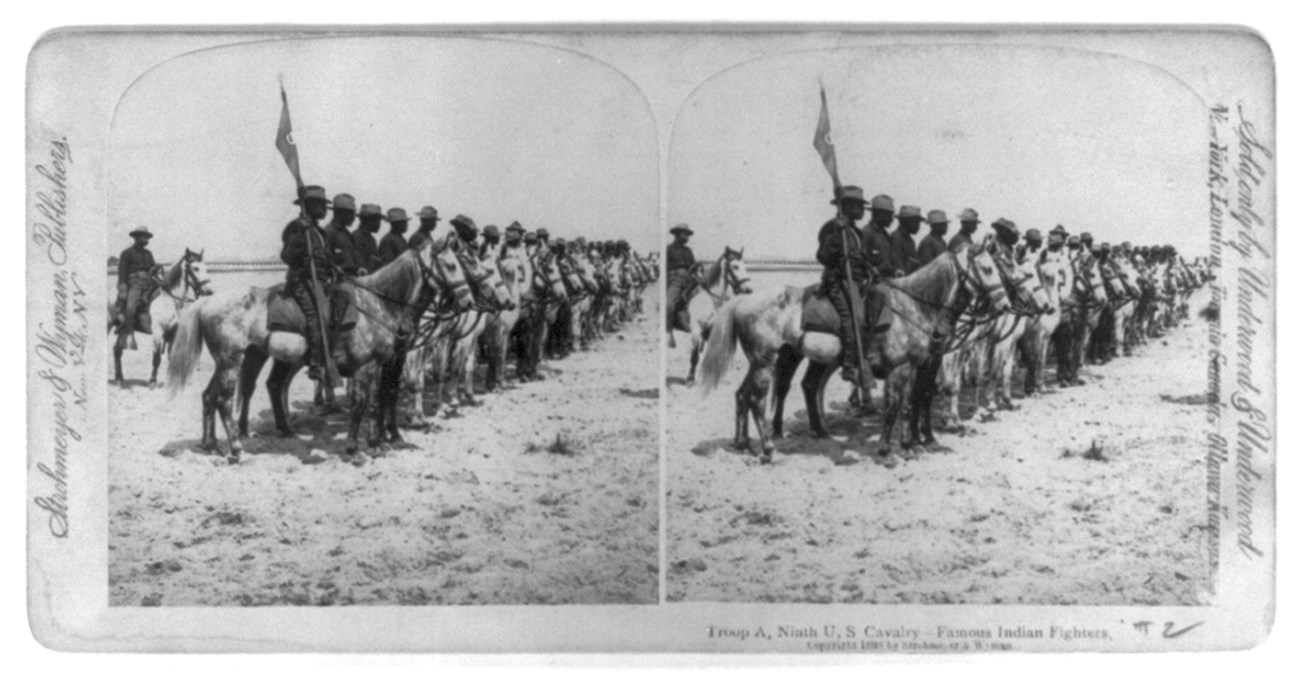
column 284, row 138
column 822, row 142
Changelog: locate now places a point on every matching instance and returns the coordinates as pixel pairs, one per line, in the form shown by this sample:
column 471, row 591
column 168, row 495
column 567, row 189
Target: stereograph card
column 449, row 339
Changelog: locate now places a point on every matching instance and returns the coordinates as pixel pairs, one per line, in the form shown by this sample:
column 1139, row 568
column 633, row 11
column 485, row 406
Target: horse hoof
column 285, row 433
column 820, row 434
column 889, row 460
column 358, row 460
column 233, row 458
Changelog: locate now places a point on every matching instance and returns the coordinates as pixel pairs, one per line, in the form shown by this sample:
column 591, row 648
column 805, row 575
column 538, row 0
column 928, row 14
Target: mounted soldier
column 679, row 259
column 1031, row 248
column 933, row 245
column 491, row 241
column 530, row 243
column 833, row 256
column 514, row 239
column 428, row 222
column 876, row 243
column 466, row 230
column 970, row 221
column 306, row 252
column 1007, row 233
column 393, row 243
column 135, row 268
column 364, row 246
column 342, row 250
column 904, row 240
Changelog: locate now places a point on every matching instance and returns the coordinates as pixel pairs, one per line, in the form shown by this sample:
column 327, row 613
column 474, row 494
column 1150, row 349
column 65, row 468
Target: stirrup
column 849, row 374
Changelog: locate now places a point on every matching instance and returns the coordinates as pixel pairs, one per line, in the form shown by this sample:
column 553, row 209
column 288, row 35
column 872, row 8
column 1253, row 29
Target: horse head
column 440, row 265
column 737, row 273
column 982, row 271
column 196, row 273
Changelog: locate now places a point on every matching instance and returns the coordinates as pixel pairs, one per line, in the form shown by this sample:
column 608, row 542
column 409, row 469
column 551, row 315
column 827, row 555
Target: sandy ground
column 1011, row 511
column 485, row 510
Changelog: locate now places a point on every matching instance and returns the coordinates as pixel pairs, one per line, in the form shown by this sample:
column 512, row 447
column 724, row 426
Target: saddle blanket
column 819, row 315
column 283, row 314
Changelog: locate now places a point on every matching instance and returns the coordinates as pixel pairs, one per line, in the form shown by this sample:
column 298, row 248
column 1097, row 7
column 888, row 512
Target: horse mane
column 395, row 280
column 934, row 281
column 173, row 276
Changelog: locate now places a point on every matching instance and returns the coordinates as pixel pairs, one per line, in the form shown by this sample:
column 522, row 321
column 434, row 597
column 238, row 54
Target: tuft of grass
column 561, row 446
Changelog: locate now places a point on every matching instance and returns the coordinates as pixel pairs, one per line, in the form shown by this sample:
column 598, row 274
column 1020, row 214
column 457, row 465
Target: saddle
column 819, row 315
column 284, row 315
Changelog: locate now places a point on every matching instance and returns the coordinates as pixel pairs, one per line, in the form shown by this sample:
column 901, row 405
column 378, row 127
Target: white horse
column 179, row 285
column 714, row 285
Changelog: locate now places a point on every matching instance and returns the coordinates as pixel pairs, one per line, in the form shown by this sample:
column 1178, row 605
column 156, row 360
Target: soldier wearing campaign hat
column 337, row 237
column 365, row 248
column 134, row 268
column 933, row 245
column 1085, row 240
column 1032, row 246
column 491, row 239
column 834, row 257
column 429, row 219
column 970, row 221
column 905, row 258
column 678, row 260
column 394, row 243
column 311, row 261
column 466, row 229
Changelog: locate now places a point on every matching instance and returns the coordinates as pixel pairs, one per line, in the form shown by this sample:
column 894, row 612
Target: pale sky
column 1040, row 136
column 496, row 130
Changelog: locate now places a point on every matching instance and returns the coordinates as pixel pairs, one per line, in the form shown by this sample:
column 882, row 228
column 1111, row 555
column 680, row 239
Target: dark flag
column 822, row 141
column 284, row 138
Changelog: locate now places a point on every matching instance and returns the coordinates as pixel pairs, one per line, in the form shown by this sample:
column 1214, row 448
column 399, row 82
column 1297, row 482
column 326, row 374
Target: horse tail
column 185, row 349
column 721, row 346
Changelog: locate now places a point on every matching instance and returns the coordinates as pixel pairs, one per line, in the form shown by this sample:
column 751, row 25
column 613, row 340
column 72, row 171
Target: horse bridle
column 730, row 282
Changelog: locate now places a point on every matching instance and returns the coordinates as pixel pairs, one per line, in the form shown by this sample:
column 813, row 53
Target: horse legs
column 741, row 441
column 787, row 362
column 696, row 343
column 390, row 384
column 756, row 399
column 922, row 386
column 117, row 366
column 249, row 369
column 159, row 345
column 363, row 384
column 813, row 385
column 208, row 441
column 927, row 387
column 277, row 388
column 895, row 394
column 223, row 386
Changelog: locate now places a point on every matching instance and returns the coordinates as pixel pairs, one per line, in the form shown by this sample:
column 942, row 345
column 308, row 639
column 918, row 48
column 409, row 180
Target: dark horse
column 234, row 327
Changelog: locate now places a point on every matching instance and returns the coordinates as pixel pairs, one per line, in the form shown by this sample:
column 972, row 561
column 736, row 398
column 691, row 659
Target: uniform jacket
column 932, row 246
column 958, row 240
column 831, row 253
column 420, row 236
column 679, row 256
column 904, row 251
column 365, row 249
column 133, row 260
column 295, row 251
column 342, row 250
column 880, row 251
column 392, row 245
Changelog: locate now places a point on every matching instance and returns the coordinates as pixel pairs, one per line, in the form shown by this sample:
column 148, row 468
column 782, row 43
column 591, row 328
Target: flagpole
column 855, row 298
column 318, row 294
